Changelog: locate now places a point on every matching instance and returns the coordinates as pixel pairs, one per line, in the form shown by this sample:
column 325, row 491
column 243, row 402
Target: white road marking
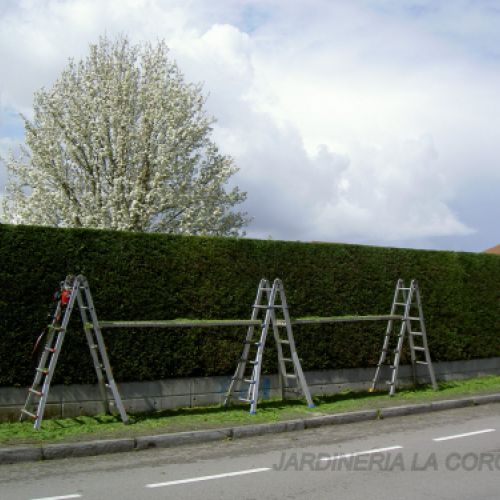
column 62, row 497
column 456, row 436
column 358, row 453
column 207, row 478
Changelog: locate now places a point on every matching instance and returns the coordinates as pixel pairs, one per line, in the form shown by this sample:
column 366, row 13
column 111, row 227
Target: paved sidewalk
column 79, row 449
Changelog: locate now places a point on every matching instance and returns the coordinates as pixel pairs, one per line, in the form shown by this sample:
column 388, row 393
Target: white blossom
column 121, row 141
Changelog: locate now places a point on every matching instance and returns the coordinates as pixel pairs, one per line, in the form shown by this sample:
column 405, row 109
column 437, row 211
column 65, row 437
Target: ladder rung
column 251, row 361
column 290, row 375
column 414, row 318
column 289, row 360
column 265, row 289
column 388, row 382
column 421, row 362
column 400, row 303
column 258, row 306
column 417, row 334
column 245, row 400
column 247, row 381
column 34, row 391
column 418, row 348
column 281, row 341
column 32, row 415
column 50, row 349
column 404, row 288
column 252, row 342
column 42, row 370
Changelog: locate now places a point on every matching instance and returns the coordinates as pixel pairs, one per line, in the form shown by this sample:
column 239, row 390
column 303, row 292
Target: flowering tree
column 121, row 141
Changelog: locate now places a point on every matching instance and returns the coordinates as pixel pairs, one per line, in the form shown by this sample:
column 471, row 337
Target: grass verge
column 187, row 419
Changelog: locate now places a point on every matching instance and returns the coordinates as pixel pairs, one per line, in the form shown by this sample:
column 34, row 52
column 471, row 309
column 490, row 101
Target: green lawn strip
column 189, row 419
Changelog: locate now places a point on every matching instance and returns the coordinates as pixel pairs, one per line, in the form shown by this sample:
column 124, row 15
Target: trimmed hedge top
column 137, row 276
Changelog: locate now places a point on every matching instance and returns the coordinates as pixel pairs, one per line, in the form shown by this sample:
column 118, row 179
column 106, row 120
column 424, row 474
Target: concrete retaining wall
column 74, row 400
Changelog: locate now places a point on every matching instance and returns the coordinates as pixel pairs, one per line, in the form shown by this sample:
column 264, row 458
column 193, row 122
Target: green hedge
column 150, row 276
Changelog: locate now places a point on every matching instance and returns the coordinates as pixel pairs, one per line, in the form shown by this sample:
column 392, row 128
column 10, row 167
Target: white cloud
column 355, row 121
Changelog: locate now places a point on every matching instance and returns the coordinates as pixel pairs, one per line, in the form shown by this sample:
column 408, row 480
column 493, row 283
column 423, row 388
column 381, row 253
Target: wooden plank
column 179, row 323
column 187, row 323
column 341, row 319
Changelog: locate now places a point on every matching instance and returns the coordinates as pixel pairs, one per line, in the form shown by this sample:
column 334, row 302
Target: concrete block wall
column 75, row 400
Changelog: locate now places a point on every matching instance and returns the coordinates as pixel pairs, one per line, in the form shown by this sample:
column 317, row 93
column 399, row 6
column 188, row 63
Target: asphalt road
column 452, row 454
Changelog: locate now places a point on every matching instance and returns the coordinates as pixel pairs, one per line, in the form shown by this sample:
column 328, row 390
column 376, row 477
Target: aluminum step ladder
column 75, row 289
column 269, row 299
column 407, row 305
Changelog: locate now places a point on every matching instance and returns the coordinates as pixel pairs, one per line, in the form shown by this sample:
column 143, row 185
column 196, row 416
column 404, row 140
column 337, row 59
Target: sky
column 355, row 121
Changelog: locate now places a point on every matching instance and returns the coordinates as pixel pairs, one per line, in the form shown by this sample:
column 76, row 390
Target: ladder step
column 400, row 303
column 32, row 415
column 50, row 349
column 34, row 391
column 421, row 362
column 404, row 288
column 281, row 341
column 265, row 289
column 417, row 334
column 288, row 360
column 246, row 380
column 245, row 400
column 249, row 342
column 42, row 370
column 291, row 376
column 275, row 306
column 418, row 348
column 414, row 318
column 252, row 361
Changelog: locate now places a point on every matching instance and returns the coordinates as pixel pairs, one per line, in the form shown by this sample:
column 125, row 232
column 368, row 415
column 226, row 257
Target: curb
column 180, row 438
column 91, row 448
